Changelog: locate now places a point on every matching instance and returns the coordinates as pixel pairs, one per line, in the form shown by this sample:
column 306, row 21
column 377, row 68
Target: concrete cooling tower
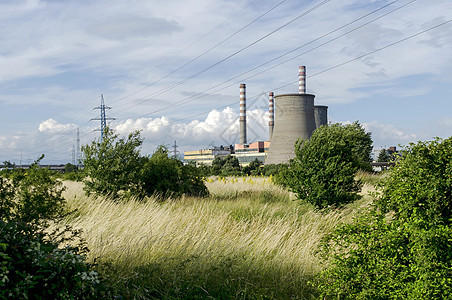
column 295, row 117
column 320, row 115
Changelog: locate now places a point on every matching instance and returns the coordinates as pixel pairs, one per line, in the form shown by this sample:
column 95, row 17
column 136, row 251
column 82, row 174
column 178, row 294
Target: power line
column 207, row 51
column 359, row 57
column 202, row 94
column 163, row 91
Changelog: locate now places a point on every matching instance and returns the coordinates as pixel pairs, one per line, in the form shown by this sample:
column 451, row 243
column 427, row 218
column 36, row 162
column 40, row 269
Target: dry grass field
column 249, row 240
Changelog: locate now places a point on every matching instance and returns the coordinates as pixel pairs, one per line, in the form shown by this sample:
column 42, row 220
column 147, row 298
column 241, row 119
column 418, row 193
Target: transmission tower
column 103, row 117
column 175, row 149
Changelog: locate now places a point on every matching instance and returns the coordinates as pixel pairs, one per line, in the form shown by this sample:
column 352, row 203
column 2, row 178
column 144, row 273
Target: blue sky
column 172, row 69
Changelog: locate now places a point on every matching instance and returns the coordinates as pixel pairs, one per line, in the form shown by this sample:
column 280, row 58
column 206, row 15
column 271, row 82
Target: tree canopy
column 115, row 167
column 323, row 171
column 399, row 248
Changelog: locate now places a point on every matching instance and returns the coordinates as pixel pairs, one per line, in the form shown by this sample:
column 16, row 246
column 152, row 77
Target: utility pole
column 103, row 117
column 175, row 149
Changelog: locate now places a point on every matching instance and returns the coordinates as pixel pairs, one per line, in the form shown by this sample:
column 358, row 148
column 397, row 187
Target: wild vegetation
column 249, row 239
column 36, row 262
column 236, row 237
column 324, row 168
column 399, row 248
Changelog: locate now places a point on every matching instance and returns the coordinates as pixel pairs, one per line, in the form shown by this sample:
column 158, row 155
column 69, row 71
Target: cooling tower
column 242, row 121
column 294, row 118
column 320, row 115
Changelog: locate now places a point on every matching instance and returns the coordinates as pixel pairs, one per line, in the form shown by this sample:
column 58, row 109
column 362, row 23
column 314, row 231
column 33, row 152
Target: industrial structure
column 296, row 117
column 249, row 152
column 206, row 156
column 291, row 117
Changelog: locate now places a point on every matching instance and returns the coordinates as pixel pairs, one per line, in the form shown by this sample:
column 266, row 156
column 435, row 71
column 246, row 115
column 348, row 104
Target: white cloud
column 53, row 126
column 219, row 127
column 447, row 122
column 388, row 132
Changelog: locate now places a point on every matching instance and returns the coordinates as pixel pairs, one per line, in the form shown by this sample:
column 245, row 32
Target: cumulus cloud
column 51, row 125
column 388, row 132
column 219, row 127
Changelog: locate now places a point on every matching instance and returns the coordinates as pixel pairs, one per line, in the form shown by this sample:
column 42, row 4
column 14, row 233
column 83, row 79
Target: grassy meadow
column 249, row 239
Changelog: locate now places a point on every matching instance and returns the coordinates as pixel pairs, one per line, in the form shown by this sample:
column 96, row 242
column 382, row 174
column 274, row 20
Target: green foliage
column 112, row 164
column 225, row 166
column 323, row 172
column 383, row 156
column 115, row 167
column 33, row 260
column 31, row 266
column 70, row 168
column 30, row 196
column 9, row 165
column 401, row 247
column 253, row 168
column 167, row 176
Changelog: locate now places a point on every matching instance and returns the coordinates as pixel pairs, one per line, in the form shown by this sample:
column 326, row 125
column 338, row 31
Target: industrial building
column 296, row 117
column 249, row 152
column 206, row 156
column 291, row 116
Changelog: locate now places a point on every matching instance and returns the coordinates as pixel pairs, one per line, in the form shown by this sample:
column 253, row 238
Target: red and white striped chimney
column 242, row 135
column 271, row 115
column 302, row 79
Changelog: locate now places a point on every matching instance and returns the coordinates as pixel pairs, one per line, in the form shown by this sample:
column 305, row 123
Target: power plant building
column 291, row 117
column 296, row 117
column 248, row 153
column 205, row 157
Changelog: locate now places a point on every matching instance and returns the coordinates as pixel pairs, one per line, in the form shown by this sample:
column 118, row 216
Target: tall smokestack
column 242, row 135
column 271, row 115
column 302, row 79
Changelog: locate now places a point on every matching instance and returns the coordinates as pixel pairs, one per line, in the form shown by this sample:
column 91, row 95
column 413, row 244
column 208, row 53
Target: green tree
column 323, row 171
column 168, row 176
column 32, row 196
column 115, row 167
column 113, row 164
column 231, row 165
column 217, row 165
column 8, row 164
column 70, row 168
column 253, row 167
column 383, row 156
column 401, row 247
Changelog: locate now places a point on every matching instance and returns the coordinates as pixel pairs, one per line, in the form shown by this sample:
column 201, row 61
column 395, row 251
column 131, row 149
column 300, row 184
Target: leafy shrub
column 34, row 267
column 115, row 167
column 31, row 196
column 36, row 263
column 401, row 247
column 112, row 164
column 166, row 176
column 323, row 171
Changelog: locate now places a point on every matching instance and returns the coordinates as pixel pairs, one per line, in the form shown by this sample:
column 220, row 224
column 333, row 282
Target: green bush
column 35, row 262
column 114, row 167
column 33, row 267
column 32, row 196
column 401, row 247
column 167, row 176
column 323, row 171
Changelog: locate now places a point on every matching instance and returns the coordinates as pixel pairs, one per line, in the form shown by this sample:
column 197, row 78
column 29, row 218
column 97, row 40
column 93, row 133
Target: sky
column 172, row 69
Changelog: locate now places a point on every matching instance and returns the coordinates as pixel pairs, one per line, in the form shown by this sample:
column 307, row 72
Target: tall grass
column 248, row 240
